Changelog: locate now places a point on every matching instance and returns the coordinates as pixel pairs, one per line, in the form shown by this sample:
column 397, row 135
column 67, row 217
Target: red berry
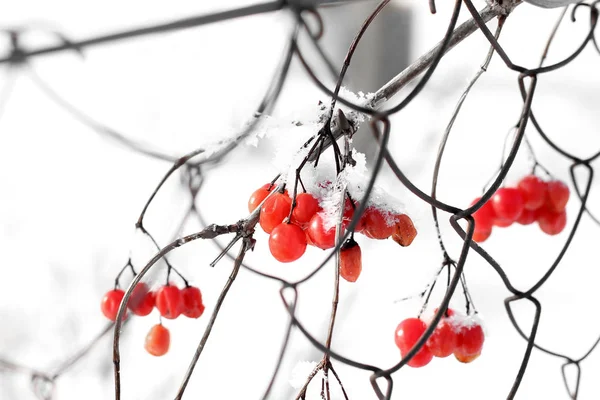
column 404, row 231
column 485, row 216
column 503, row 223
column 480, row 235
column 158, row 340
column 192, row 302
column 508, row 203
column 287, row 242
column 274, row 210
column 533, row 190
column 259, row 195
column 168, row 301
column 551, row 223
column 443, row 340
column 141, row 301
column 466, row 359
column 321, row 238
column 306, row 206
column 527, row 217
column 350, row 261
column 557, row 196
column 469, row 340
column 376, row 223
column 407, row 334
column 111, row 302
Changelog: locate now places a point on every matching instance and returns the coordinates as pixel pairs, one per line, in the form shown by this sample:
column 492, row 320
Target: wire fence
column 335, row 125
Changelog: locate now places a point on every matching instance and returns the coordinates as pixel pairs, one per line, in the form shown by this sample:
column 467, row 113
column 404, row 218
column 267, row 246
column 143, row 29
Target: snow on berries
column 532, row 200
column 455, row 333
column 170, row 302
column 310, row 220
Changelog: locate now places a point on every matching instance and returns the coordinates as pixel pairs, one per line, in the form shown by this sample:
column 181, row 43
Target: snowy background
column 69, row 199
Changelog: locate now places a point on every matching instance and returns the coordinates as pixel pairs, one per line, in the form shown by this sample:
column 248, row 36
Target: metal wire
column 334, row 126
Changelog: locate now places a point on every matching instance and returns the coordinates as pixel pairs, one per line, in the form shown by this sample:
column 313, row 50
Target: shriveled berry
column 350, row 261
column 141, row 301
column 168, row 301
column 192, row 302
column 404, row 230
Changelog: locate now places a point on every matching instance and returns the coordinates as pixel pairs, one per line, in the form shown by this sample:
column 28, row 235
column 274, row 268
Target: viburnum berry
column 192, row 302
column 469, row 341
column 168, row 301
column 407, row 334
column 503, row 223
column 404, row 230
column 287, row 242
column 527, row 217
column 557, row 196
column 533, row 190
column 480, row 235
column 111, row 302
column 306, row 206
column 274, row 210
column 141, row 301
column 350, row 261
column 443, row 340
column 485, row 216
column 158, row 340
column 466, row 359
column 259, row 195
column 376, row 223
column 508, row 203
column 551, row 223
column 319, row 236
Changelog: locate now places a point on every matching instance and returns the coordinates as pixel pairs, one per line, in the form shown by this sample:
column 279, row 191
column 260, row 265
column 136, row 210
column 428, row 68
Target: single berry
column 350, row 261
column 378, row 224
column 158, row 340
column 306, row 206
column 274, row 210
column 485, row 216
column 192, row 302
column 550, row 222
column 404, row 231
column 407, row 334
column 442, row 341
column 557, row 196
column 508, row 203
column 527, row 217
column 287, row 242
column 469, row 340
column 168, row 301
column 533, row 190
column 259, row 195
column 111, row 302
column 480, row 235
column 141, row 301
column 466, row 359
column 319, row 236
column 503, row 223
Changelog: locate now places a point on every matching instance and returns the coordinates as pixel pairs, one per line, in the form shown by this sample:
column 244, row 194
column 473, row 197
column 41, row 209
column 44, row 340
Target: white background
column 69, row 199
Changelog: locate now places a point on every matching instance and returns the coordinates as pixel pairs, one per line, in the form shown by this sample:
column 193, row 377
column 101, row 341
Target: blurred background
column 69, row 199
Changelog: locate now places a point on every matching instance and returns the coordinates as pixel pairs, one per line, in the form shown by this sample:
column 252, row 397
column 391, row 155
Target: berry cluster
column 455, row 334
column 169, row 300
column 532, row 200
column 292, row 230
